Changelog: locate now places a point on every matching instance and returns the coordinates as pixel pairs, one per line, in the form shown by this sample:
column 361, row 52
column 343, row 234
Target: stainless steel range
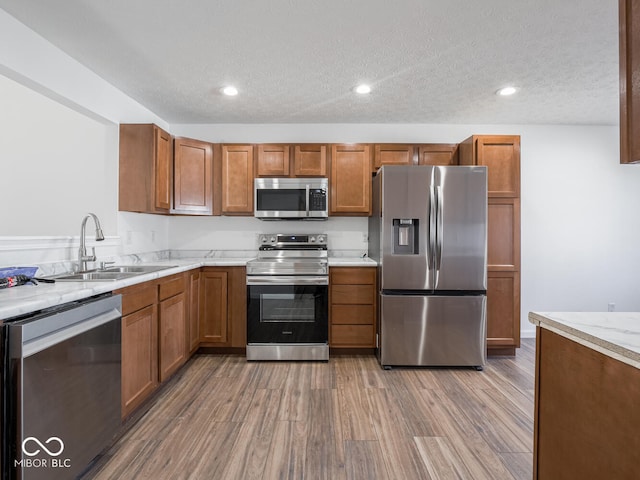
column 287, row 299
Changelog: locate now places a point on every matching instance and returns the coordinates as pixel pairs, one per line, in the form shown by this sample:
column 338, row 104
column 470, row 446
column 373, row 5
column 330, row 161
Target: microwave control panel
column 317, row 199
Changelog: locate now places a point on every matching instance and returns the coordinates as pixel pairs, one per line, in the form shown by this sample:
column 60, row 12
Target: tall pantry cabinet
column 501, row 156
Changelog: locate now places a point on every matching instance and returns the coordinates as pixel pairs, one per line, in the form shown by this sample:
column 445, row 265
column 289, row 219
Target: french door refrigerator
column 428, row 233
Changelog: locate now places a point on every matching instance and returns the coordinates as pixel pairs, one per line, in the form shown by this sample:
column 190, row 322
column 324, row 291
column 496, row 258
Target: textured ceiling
column 296, row 61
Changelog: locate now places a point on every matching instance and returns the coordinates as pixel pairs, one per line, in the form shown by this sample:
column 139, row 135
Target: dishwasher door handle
column 38, row 344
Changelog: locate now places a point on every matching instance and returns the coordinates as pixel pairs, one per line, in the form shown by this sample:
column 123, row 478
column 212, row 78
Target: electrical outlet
column 365, row 237
column 153, row 236
column 611, row 307
column 128, row 237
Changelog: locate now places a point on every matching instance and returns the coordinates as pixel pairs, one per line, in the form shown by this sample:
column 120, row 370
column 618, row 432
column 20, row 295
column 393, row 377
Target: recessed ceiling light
column 230, row 91
column 363, row 89
column 506, row 91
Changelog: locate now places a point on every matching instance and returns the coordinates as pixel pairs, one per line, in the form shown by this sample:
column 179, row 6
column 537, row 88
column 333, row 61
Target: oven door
column 287, row 310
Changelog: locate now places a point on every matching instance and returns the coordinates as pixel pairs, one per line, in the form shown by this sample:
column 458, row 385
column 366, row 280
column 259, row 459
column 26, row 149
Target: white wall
column 57, row 165
column 580, row 225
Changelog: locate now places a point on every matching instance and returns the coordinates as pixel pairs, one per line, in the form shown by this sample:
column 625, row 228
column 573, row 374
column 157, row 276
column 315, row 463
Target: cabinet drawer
column 352, row 294
column 353, row 276
column 352, row 336
column 138, row 297
column 352, row 314
column 171, row 286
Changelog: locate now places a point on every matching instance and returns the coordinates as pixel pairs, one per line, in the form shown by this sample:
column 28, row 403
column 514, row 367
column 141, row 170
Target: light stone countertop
column 351, row 262
column 615, row 334
column 25, row 299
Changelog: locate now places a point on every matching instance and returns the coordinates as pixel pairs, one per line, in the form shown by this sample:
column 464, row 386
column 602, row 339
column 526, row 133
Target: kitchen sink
column 117, row 272
column 93, row 276
column 137, row 269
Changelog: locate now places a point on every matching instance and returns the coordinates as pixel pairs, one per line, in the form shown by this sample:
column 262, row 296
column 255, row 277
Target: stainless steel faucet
column 83, row 258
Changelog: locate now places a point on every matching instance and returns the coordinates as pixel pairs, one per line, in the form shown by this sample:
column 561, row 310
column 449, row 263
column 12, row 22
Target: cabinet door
column 214, row 325
column 193, row 177
column 237, row 306
column 273, row 161
column 438, row 154
column 501, row 156
column 237, row 179
column 503, row 310
column 392, row 154
column 139, row 357
column 194, row 312
column 503, row 234
column 145, row 169
column 350, row 180
column 163, row 167
column 172, row 342
column 310, row 160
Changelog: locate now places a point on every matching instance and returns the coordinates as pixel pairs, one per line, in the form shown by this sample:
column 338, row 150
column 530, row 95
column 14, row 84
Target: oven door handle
column 287, row 280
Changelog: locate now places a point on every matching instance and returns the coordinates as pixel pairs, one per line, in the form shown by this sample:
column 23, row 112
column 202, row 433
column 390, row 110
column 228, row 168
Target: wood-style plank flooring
column 226, row 418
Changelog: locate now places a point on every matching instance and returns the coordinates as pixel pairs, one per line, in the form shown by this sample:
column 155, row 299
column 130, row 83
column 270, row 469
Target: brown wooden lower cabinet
column 172, row 329
column 586, row 412
column 193, row 335
column 139, row 344
column 223, row 307
column 214, row 324
column 503, row 312
column 154, row 326
column 352, row 311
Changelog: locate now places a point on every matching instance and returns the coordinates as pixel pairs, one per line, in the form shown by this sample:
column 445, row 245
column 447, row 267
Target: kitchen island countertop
column 615, row 334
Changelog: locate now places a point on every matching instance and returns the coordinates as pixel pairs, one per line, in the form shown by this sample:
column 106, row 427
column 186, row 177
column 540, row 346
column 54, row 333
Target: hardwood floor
column 225, row 418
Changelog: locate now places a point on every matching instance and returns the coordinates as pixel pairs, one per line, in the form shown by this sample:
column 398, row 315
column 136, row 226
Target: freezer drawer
column 432, row 330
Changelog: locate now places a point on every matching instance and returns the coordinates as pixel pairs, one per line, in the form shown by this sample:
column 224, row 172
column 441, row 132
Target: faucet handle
column 102, row 265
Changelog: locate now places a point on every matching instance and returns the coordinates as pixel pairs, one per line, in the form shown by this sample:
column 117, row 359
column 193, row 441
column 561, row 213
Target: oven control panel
column 282, row 239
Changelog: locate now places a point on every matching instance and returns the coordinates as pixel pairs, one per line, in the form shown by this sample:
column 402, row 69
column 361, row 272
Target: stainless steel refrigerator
column 428, row 233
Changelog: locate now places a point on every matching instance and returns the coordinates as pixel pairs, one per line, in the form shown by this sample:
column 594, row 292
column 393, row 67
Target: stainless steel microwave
column 291, row 198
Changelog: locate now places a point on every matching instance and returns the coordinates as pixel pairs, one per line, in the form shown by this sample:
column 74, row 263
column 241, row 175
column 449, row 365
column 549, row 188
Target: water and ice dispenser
column 405, row 236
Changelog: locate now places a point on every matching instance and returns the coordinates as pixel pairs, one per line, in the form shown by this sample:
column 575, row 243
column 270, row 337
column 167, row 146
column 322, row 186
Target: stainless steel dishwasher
column 62, row 371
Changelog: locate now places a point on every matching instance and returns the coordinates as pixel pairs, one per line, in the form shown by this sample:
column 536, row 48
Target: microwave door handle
column 306, row 199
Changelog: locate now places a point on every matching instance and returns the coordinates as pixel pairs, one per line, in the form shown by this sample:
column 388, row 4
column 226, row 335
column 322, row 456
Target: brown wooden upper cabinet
column 146, row 167
column 310, row 160
column 193, row 177
column 272, row 161
column 501, row 154
column 629, row 49
column 303, row 160
column 350, row 180
column 420, row 154
column 438, row 154
column 392, row 154
column 237, row 179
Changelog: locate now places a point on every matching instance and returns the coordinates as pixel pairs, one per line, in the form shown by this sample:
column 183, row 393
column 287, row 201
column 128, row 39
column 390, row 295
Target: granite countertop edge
column 615, row 334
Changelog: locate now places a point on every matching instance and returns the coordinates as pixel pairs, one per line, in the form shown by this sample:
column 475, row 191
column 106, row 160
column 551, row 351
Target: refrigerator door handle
column 432, row 227
column 439, row 228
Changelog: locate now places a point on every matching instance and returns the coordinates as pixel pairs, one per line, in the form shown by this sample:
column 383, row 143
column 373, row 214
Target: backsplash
column 156, row 237
column 230, row 233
